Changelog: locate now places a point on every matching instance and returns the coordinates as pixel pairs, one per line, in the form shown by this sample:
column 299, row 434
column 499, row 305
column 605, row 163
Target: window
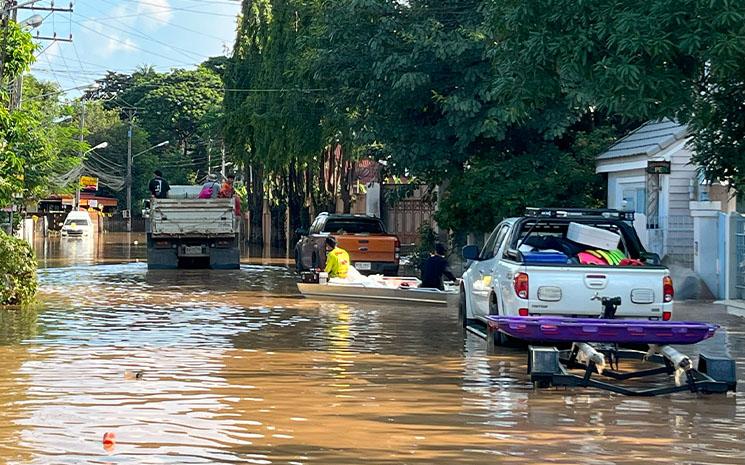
column 353, row 226
column 635, row 199
column 315, row 228
column 501, row 238
column 79, row 222
column 494, row 242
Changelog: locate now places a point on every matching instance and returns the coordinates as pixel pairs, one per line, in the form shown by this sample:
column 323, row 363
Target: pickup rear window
column 354, row 226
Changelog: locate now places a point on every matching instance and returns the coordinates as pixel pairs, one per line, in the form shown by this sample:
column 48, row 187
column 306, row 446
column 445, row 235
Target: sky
column 121, row 35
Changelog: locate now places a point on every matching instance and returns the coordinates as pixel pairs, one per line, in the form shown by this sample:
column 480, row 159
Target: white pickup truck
column 509, row 276
column 184, row 231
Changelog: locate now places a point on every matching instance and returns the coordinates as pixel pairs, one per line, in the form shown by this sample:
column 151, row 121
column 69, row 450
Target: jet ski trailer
column 597, row 347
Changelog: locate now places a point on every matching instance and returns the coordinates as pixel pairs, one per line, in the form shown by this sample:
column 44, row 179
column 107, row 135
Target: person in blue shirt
column 435, row 268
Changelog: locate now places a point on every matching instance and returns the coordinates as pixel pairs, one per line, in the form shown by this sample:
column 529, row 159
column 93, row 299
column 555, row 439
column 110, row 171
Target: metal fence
column 739, row 224
column 671, row 237
column 405, row 216
column 118, row 224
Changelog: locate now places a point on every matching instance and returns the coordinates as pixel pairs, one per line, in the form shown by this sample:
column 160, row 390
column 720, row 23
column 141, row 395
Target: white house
column 662, row 201
column 688, row 222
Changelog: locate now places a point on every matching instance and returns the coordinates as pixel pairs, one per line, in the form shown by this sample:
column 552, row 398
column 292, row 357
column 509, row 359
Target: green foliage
column 425, row 245
column 682, row 59
column 17, row 271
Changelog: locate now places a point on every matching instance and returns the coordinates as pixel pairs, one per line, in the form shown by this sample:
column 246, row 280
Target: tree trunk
column 256, row 205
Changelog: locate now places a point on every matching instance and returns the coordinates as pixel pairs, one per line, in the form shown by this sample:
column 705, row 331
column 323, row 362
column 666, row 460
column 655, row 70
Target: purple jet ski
column 558, row 329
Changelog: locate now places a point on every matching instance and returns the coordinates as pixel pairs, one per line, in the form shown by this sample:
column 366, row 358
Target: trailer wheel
column 498, row 338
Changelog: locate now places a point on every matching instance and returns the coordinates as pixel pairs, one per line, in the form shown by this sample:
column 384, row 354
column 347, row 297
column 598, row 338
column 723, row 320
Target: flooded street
column 237, row 368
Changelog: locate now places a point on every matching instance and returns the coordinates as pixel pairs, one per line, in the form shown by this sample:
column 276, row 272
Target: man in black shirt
column 158, row 186
column 435, row 267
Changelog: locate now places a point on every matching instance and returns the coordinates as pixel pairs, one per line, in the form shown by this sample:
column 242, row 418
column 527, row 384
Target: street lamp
column 102, row 145
column 130, row 159
column 32, row 22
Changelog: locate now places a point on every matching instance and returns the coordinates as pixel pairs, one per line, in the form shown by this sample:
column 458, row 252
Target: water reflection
column 238, row 369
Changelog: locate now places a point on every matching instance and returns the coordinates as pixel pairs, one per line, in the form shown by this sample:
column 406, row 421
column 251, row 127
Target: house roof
column 648, row 139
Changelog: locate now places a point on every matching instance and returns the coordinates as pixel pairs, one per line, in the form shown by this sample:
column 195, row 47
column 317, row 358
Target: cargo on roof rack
column 579, row 213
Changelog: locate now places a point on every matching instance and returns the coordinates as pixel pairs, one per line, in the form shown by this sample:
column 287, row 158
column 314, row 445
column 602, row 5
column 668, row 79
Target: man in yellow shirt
column 337, row 260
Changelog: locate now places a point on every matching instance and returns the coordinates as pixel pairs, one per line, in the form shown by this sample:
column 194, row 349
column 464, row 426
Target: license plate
column 193, row 250
column 363, row 265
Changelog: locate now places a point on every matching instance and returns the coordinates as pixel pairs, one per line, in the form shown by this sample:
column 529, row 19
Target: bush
column 425, row 244
column 17, row 271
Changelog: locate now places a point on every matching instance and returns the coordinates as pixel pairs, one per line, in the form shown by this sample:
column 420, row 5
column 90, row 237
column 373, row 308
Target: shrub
column 425, row 244
column 17, row 271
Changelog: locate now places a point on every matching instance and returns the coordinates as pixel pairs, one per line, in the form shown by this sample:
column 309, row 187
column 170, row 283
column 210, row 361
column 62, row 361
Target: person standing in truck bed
column 158, row 186
column 435, row 267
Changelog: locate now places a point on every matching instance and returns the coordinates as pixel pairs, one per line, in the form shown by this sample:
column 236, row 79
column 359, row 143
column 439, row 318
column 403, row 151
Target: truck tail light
column 521, row 284
column 668, row 292
column 397, row 250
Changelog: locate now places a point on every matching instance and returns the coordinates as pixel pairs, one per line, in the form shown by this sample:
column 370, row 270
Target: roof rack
column 580, row 213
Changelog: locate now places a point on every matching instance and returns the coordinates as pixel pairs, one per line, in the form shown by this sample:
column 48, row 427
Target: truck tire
column 495, row 337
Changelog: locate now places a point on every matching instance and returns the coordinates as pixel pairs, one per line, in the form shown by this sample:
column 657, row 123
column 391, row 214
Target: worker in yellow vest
column 337, row 260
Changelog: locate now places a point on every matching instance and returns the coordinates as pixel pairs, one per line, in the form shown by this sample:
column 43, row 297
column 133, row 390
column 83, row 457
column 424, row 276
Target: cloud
column 160, row 11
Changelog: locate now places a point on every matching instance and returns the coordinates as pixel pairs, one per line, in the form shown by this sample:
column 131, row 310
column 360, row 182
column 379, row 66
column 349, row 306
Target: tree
column 682, row 59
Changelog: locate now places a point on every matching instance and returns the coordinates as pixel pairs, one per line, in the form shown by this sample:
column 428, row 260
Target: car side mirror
column 471, row 252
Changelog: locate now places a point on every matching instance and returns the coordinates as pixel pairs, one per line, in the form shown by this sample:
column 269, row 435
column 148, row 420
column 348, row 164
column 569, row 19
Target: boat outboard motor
column 610, row 305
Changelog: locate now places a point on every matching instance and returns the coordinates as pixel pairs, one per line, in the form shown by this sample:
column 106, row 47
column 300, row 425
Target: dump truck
column 184, row 231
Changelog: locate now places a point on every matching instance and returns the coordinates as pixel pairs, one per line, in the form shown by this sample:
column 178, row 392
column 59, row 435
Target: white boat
column 392, row 289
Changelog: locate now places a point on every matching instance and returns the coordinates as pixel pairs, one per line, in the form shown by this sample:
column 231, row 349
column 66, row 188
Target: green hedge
column 17, row 271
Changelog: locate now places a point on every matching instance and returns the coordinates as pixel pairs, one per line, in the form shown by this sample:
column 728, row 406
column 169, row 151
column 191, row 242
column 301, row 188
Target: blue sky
column 120, row 35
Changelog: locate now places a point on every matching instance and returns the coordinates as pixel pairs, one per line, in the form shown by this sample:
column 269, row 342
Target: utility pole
column 222, row 170
column 209, row 157
column 82, row 129
column 130, row 114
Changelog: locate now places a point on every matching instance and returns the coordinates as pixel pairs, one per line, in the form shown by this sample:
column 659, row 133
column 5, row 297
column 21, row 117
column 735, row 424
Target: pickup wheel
column 495, row 337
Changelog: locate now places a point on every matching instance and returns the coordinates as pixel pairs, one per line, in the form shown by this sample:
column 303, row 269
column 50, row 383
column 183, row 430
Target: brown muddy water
column 237, row 368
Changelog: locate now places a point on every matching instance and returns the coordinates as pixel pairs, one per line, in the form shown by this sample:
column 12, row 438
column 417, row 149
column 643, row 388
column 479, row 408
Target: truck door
column 485, row 270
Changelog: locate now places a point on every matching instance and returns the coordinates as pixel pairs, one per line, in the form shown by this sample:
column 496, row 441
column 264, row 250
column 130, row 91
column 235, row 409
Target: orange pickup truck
column 371, row 249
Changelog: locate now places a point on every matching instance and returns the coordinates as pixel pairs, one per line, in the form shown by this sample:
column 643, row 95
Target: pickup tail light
column 521, row 285
column 668, row 292
column 397, row 250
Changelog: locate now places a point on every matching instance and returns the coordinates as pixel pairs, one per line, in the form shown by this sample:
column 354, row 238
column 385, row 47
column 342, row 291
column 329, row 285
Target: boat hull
column 352, row 292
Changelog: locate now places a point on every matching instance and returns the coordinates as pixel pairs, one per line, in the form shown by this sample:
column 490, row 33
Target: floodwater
column 235, row 368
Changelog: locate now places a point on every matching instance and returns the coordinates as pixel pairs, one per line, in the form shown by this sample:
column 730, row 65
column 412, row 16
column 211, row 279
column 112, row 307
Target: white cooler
column 593, row 237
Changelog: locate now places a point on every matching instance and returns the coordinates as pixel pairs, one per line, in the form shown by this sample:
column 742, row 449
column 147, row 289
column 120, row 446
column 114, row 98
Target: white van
column 77, row 224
